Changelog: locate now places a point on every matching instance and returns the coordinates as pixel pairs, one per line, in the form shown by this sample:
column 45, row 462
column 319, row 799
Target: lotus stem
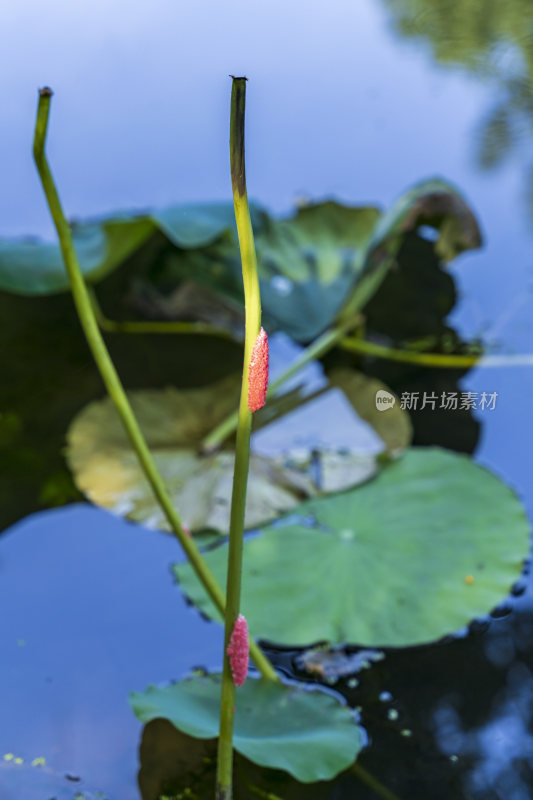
column 165, row 327
column 440, row 360
column 253, row 391
column 372, row 782
column 111, row 379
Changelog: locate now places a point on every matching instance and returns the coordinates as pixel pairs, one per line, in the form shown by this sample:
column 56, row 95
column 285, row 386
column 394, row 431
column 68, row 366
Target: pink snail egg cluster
column 258, row 373
column 238, row 651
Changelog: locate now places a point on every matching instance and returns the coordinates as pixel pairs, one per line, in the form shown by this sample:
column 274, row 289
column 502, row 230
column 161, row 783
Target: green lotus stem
column 155, row 326
column 442, row 360
column 372, row 782
column 252, row 302
column 445, row 360
column 261, row 793
column 111, row 379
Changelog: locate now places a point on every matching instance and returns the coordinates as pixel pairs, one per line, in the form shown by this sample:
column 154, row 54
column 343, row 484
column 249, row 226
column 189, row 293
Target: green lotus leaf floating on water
column 431, row 543
column 306, row 733
column 310, row 262
column 174, row 422
column 29, row 266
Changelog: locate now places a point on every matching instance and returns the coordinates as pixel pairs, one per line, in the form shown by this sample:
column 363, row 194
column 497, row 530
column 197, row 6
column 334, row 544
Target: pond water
column 345, row 103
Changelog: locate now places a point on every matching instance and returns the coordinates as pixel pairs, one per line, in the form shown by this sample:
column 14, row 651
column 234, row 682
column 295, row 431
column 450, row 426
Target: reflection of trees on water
column 500, row 753
column 493, row 39
column 489, row 734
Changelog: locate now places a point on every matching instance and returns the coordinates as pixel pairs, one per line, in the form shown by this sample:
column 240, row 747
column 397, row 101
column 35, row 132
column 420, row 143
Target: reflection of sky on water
column 140, row 114
column 337, row 106
column 90, row 613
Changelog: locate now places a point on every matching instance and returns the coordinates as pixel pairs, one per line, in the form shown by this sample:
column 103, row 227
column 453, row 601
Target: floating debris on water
column 331, row 665
column 393, row 714
column 385, row 697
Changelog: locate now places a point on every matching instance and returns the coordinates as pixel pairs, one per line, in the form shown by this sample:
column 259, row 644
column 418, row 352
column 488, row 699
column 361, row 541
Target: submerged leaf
column 106, row 468
column 48, row 375
column 389, row 420
column 431, row 543
column 174, row 422
column 306, row 733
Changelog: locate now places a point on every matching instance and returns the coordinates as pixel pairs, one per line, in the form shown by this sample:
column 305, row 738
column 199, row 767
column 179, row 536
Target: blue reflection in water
column 90, row 613
column 502, row 749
